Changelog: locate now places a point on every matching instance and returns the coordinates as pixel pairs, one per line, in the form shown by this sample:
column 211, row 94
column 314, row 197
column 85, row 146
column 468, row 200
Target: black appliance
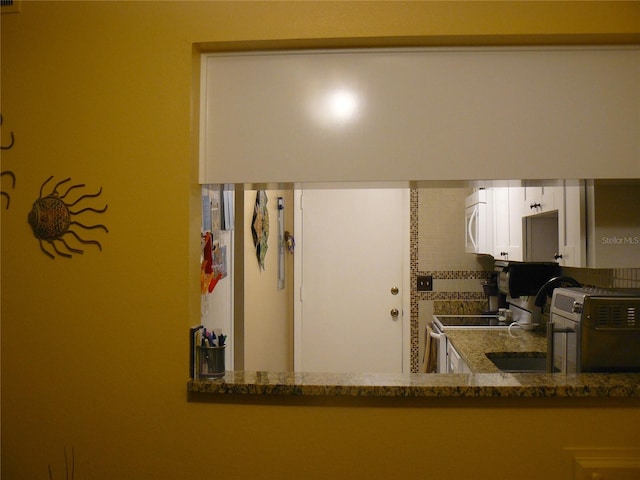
column 490, row 288
column 518, row 279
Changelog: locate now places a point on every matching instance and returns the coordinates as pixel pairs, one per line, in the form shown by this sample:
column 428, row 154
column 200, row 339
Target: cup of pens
column 210, row 362
column 210, row 356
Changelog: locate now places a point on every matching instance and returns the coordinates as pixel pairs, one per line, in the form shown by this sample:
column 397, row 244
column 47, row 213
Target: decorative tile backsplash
column 626, row 277
column 606, row 278
column 437, row 249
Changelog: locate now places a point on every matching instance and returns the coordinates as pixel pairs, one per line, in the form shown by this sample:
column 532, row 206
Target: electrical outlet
column 425, row 283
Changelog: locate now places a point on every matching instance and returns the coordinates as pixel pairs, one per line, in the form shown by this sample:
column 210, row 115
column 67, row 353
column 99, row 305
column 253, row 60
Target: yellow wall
column 94, row 348
column 268, row 319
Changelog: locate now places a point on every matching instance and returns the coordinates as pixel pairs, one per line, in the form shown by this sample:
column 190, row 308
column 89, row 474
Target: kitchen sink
column 513, row 362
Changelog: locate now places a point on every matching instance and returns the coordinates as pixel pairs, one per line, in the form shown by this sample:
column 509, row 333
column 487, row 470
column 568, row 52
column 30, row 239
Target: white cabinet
column 556, row 231
column 540, row 198
column 572, row 239
column 593, row 224
column 456, row 363
column 576, row 223
column 507, row 218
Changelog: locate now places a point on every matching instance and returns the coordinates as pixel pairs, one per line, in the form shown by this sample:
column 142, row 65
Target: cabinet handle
column 535, row 205
column 557, row 256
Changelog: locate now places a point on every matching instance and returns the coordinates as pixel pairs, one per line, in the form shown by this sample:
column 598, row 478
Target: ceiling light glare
column 342, row 105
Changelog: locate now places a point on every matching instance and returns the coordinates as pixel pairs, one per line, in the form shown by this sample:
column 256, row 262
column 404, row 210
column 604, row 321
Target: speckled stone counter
column 473, row 345
column 419, row 385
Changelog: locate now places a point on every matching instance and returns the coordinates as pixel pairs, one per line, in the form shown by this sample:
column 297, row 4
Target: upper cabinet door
column 508, row 202
column 539, row 199
column 572, row 240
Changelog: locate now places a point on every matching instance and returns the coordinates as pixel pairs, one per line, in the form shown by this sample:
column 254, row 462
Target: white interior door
column 353, row 255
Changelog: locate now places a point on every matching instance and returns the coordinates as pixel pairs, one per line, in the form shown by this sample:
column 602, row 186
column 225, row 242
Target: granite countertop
column 473, row 345
column 418, row 385
column 486, row 381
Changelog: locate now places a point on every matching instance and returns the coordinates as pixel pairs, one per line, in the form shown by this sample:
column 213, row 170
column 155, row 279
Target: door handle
column 395, row 312
column 437, row 336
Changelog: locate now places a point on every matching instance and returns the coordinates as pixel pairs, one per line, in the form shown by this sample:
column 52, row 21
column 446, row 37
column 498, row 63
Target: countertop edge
column 480, row 385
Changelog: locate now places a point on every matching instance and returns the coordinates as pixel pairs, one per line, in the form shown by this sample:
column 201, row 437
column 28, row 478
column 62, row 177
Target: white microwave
column 478, row 223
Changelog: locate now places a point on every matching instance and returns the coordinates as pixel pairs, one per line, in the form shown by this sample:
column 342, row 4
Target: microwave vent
column 616, row 316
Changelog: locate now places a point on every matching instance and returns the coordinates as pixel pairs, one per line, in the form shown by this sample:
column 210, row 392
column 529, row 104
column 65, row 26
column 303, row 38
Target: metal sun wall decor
column 260, row 226
column 51, row 219
column 8, row 173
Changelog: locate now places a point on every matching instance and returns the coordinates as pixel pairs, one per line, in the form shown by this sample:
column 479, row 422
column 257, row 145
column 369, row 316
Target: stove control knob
column 577, row 307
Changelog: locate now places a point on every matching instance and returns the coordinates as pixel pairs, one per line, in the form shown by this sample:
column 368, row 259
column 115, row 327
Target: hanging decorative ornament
column 260, row 226
column 8, row 173
column 51, row 219
column 12, row 177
